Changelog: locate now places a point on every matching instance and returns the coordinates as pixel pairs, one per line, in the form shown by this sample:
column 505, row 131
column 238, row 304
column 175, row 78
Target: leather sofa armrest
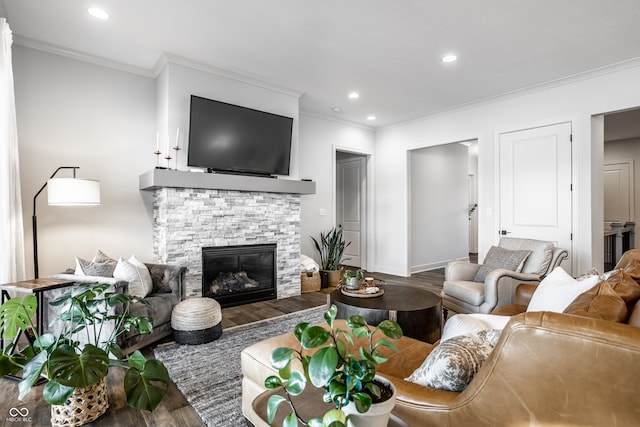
column 599, row 349
column 461, row 270
column 524, row 292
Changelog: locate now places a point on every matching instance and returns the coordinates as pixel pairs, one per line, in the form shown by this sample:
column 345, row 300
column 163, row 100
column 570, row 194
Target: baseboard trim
column 434, row 265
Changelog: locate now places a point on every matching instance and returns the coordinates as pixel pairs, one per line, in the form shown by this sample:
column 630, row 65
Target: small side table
column 36, row 287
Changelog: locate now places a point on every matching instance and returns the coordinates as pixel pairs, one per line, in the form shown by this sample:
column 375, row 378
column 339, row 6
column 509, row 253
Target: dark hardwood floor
column 174, row 409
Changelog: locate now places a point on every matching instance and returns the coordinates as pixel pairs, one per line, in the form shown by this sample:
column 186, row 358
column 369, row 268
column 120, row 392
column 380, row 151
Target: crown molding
column 162, row 62
column 169, row 58
column 336, row 120
column 562, row 81
column 80, row 56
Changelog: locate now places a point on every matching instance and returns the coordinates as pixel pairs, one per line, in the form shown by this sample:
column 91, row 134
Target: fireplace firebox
column 235, row 275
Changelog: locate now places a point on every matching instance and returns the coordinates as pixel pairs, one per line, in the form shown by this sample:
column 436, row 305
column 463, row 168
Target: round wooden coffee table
column 417, row 311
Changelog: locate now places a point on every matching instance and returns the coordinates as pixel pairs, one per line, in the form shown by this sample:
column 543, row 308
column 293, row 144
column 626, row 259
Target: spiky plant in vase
column 349, row 379
column 331, row 248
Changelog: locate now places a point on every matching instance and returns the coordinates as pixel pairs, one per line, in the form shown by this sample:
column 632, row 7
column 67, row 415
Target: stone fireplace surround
column 195, row 210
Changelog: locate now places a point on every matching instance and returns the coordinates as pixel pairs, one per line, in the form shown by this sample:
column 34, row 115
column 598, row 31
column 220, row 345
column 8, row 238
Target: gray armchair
column 168, row 290
column 461, row 294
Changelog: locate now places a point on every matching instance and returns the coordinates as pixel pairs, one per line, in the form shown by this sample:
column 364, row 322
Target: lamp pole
column 34, row 219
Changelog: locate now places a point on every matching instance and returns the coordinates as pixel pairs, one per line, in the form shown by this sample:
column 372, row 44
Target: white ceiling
column 389, row 51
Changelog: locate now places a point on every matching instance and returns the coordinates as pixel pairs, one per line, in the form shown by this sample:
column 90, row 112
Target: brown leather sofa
column 546, row 369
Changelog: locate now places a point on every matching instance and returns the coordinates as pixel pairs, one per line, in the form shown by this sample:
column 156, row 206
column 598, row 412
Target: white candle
column 157, row 141
column 178, row 137
column 168, row 144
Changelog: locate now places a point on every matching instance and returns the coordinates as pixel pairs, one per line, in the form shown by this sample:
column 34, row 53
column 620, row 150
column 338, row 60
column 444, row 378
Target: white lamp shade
column 73, row 192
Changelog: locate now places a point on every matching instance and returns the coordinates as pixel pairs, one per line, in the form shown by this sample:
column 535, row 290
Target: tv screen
column 229, row 138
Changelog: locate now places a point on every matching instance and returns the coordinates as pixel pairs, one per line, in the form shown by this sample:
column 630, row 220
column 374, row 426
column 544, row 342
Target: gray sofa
column 168, row 290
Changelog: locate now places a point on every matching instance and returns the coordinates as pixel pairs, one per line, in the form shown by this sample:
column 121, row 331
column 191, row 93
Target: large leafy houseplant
column 331, row 247
column 77, row 355
column 345, row 376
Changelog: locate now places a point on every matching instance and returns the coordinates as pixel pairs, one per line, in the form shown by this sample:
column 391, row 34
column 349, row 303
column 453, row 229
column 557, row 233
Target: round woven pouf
column 196, row 321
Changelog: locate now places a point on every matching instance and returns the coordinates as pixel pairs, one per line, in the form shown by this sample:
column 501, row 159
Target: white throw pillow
column 464, row 324
column 558, row 290
column 134, row 275
column 144, row 274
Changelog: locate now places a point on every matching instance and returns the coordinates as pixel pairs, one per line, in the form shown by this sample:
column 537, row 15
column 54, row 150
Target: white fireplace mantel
column 160, row 178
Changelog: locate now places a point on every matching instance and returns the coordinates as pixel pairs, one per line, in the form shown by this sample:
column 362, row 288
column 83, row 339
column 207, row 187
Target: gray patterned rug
column 209, row 374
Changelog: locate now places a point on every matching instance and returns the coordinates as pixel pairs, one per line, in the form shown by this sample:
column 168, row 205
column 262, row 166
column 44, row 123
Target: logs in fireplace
column 235, row 275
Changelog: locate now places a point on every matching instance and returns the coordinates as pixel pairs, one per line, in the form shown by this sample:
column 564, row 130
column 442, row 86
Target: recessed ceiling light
column 354, row 95
column 371, row 118
column 336, row 110
column 449, row 58
column 98, row 13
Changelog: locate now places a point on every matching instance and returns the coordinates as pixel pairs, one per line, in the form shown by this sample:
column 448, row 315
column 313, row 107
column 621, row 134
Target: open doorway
column 443, row 205
column 621, row 179
column 351, row 205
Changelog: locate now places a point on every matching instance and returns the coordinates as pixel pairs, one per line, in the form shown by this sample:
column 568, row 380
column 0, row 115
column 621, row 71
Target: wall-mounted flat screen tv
column 229, row 138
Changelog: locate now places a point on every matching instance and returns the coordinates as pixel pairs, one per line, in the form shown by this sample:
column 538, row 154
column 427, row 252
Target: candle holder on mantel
column 176, row 148
column 157, row 153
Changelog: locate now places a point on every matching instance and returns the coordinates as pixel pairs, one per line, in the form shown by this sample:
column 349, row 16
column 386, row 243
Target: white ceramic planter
column 377, row 415
column 353, row 283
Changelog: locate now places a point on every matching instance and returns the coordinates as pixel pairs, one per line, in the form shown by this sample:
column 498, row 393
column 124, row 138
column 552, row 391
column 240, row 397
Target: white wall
column 177, row 82
column 439, row 198
column 73, row 113
column 575, row 102
column 320, row 138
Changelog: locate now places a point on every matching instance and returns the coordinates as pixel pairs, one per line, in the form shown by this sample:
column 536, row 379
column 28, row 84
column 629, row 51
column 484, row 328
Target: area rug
column 209, row 374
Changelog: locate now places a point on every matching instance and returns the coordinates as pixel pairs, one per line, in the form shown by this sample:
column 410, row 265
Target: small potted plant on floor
column 77, row 356
column 330, row 247
column 347, row 374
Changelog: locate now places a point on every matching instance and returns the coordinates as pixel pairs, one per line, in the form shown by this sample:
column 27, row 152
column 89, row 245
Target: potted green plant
column 76, row 357
column 347, row 374
column 330, row 247
column 353, row 282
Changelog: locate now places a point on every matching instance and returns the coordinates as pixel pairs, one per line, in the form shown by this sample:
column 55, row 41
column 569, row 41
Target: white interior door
column 350, row 206
column 618, row 192
column 535, row 185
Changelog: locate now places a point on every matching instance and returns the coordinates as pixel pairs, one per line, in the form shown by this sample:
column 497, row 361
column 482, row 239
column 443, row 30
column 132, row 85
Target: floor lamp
column 64, row 192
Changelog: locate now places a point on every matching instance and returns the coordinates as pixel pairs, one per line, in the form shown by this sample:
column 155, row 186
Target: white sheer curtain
column 11, row 231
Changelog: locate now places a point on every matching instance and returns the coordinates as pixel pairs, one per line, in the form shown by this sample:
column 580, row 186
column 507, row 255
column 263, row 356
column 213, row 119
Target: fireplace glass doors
column 235, row 275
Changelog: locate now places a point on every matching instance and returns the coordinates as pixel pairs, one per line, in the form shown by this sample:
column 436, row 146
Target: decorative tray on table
column 364, row 292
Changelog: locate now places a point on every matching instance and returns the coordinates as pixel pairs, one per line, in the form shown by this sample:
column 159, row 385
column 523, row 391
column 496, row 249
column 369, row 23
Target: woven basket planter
column 84, row 406
column 310, row 281
column 196, row 321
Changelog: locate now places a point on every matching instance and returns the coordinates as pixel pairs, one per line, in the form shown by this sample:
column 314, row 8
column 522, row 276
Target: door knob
column 504, row 232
